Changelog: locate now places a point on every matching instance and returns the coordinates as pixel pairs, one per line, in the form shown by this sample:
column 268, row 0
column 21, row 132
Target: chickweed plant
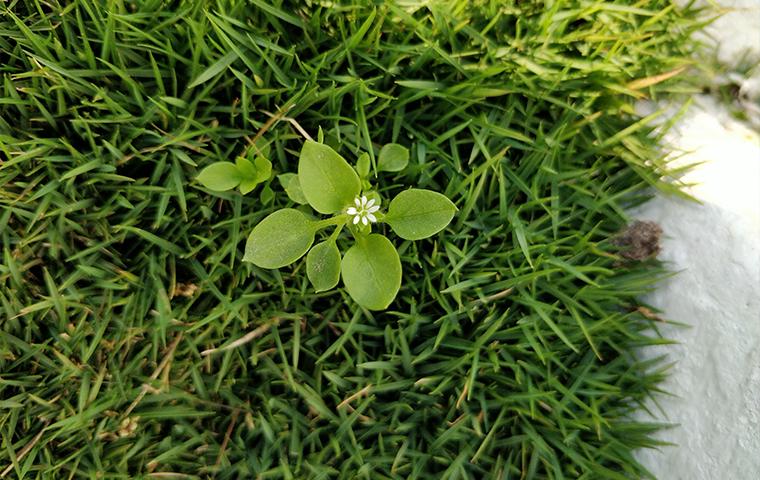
column 244, row 174
column 371, row 268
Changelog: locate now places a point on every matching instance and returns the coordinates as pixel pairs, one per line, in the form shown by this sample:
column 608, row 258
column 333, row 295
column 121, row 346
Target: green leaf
column 267, row 195
column 220, row 176
column 323, row 265
column 415, row 214
column 328, row 182
column 371, row 272
column 248, row 172
column 253, row 173
column 393, row 158
column 263, row 169
column 246, row 168
column 362, row 165
column 280, row 239
column 247, row 185
column 292, row 187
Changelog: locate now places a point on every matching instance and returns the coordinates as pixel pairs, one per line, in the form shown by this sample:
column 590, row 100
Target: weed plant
column 136, row 343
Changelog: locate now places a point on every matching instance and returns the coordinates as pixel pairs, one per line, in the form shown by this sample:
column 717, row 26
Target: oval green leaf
column 393, row 158
column 263, row 169
column 363, row 165
column 266, row 195
column 292, row 186
column 253, row 172
column 323, row 265
column 416, row 214
column 247, row 186
column 246, row 168
column 371, row 271
column 280, row 239
column 220, row 176
column 328, row 182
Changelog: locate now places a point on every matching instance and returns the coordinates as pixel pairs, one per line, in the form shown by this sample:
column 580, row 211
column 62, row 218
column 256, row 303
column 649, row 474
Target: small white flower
column 363, row 211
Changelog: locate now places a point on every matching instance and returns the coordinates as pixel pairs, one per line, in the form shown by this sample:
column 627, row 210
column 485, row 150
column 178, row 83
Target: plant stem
column 336, row 220
column 336, row 232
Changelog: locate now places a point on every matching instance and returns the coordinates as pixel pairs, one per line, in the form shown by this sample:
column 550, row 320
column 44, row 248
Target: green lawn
column 136, row 343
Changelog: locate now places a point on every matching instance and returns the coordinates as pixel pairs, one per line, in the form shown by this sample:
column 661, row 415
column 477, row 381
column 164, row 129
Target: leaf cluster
column 371, row 268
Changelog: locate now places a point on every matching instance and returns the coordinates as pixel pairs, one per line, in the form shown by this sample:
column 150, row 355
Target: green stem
column 336, row 232
column 328, row 222
column 356, row 232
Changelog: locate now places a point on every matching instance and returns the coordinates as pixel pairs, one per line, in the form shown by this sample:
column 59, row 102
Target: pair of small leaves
column 392, row 158
column 371, row 268
column 292, row 186
column 244, row 174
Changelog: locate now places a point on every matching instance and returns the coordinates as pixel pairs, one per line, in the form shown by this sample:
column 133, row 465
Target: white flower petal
column 364, row 220
column 370, row 203
column 372, row 218
column 352, row 211
column 357, row 202
column 373, row 209
column 364, row 201
column 356, row 219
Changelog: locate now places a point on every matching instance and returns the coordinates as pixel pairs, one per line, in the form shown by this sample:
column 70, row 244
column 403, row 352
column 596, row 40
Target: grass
column 134, row 343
